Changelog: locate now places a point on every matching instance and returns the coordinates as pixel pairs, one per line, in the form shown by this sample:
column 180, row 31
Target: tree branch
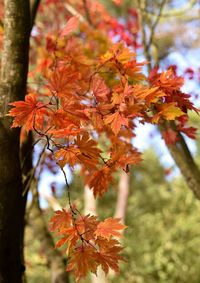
column 174, row 12
column 185, row 162
column 74, row 12
column 87, row 13
column 153, row 28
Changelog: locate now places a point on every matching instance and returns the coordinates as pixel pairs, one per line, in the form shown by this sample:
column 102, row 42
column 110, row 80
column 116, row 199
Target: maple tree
column 81, row 100
column 89, row 88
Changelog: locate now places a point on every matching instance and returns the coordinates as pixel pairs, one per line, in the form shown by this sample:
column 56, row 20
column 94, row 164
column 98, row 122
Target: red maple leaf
column 29, row 113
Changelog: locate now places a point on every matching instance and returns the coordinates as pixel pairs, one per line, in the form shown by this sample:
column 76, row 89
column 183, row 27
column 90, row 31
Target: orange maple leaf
column 72, row 230
column 74, row 111
column 86, row 226
column 117, row 52
column 71, row 130
column 96, row 119
column 29, row 113
column 71, row 26
column 100, row 89
column 150, row 95
column 167, row 80
column 59, row 119
column 61, row 220
column 63, row 82
column 110, row 227
column 88, row 148
column 99, row 181
column 116, row 120
column 169, row 111
column 122, row 154
column 82, row 261
column 67, row 155
column 108, row 255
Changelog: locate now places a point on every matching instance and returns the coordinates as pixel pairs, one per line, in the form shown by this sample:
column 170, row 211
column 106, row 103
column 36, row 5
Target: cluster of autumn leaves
column 90, row 243
column 86, row 99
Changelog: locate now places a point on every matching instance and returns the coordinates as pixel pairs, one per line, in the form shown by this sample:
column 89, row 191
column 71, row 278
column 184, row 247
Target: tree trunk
column 184, row 160
column 122, row 197
column 26, row 164
column 54, row 257
column 14, row 68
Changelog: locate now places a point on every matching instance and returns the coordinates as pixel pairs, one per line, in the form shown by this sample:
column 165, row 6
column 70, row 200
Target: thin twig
column 175, row 12
column 31, row 174
column 87, row 13
column 74, row 12
column 153, row 28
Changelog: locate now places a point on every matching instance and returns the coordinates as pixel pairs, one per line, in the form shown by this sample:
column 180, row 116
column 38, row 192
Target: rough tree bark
column 13, row 77
column 26, row 165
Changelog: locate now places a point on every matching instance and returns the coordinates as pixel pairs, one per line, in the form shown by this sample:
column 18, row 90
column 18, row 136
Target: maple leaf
column 82, row 261
column 110, row 227
column 169, row 111
column 59, row 119
column 72, row 230
column 120, row 93
column 71, row 130
column 167, row 81
column 100, row 89
column 117, row 52
column 96, row 119
column 70, row 236
column 71, row 26
column 116, row 120
column 122, row 155
column 108, row 255
column 133, row 69
column 63, row 82
column 67, row 155
column 183, row 101
column 88, row 148
column 29, row 113
column 150, row 95
column 61, row 220
column 99, row 181
column 191, row 132
column 74, row 111
column 87, row 225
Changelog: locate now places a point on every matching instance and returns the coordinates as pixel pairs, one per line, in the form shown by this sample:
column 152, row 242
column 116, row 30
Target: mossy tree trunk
column 14, row 67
